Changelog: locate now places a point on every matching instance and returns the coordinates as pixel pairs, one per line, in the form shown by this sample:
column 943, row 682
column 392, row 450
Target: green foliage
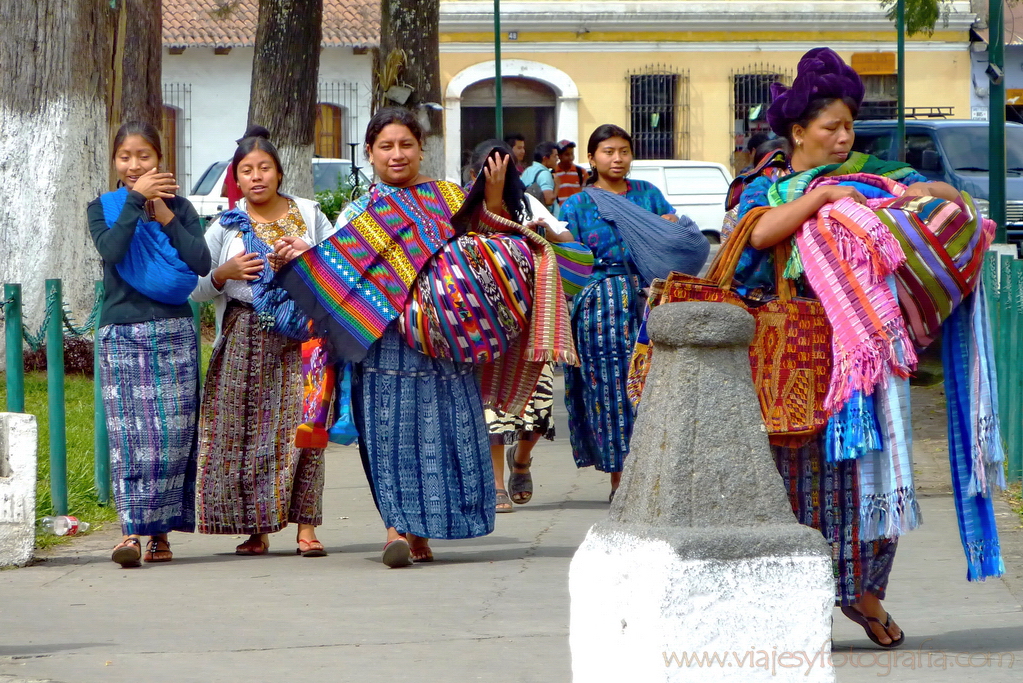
column 333, row 201
column 921, row 15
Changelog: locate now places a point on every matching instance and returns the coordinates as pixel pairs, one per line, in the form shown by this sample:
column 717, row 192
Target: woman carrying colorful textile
column 853, row 481
column 151, row 244
column 253, row 478
column 422, row 435
column 608, row 312
column 521, row 432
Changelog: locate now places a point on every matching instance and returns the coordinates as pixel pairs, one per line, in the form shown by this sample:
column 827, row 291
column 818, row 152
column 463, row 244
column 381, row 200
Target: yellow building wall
column 938, row 78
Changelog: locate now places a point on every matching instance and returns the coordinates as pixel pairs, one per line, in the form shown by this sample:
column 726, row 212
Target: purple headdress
column 821, row 73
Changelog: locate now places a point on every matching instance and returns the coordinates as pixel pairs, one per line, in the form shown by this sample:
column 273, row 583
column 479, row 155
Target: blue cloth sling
column 275, row 308
column 152, row 265
column 657, row 246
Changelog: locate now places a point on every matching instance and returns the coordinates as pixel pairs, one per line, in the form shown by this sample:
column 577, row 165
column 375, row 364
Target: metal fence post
column 101, row 444
column 55, row 394
column 1014, row 437
column 15, row 349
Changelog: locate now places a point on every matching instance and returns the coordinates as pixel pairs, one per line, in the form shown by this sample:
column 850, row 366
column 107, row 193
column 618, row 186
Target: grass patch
column 79, row 419
column 1014, row 496
column 79, row 416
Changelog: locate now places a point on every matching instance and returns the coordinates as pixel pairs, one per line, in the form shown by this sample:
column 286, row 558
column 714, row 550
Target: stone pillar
column 700, row 572
column 17, row 488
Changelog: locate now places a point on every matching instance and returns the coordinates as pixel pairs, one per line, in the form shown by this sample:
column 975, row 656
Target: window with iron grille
column 337, row 117
column 177, row 131
column 658, row 106
column 751, row 96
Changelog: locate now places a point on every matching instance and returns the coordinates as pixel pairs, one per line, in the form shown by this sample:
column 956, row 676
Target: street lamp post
column 996, row 118
column 498, row 105
column 900, row 128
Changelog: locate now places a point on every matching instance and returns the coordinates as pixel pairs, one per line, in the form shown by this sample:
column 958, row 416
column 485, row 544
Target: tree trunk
column 285, row 72
column 141, row 91
column 54, row 156
column 413, row 26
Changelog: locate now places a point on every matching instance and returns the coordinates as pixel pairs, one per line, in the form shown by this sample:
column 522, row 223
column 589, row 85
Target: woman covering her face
column 253, row 478
column 152, row 248
column 422, row 435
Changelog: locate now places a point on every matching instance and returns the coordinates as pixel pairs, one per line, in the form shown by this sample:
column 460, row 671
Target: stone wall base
column 641, row 611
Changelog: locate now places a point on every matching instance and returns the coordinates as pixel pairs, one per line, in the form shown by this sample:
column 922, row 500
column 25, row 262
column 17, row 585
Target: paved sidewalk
column 489, row 609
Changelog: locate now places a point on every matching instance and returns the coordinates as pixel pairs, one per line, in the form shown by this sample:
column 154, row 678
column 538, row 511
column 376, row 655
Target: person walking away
column 153, row 252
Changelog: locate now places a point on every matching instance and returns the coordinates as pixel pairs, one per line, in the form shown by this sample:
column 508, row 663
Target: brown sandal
column 156, row 554
column 251, row 547
column 128, row 553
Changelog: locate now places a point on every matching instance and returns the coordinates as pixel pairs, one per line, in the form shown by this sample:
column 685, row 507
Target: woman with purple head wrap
column 816, row 116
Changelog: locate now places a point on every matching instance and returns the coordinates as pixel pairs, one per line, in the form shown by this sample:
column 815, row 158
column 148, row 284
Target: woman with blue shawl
column 153, row 252
column 608, row 312
column 853, row 481
column 254, row 478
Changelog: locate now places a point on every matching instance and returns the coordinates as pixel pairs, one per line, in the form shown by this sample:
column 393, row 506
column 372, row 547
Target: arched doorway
column 566, row 104
column 530, row 109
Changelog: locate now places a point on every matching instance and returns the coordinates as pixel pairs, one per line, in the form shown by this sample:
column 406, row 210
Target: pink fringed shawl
column 846, row 253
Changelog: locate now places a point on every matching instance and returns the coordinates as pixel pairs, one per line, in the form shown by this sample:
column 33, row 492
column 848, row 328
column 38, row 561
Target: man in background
column 518, row 148
column 539, row 178
column 568, row 176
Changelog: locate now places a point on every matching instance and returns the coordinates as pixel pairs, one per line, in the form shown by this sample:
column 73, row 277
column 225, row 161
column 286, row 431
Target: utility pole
column 996, row 118
column 900, row 128
column 498, row 104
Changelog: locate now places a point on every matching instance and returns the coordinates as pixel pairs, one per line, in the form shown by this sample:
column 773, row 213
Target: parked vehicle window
column 207, row 182
column 922, row 153
column 967, row 147
column 877, row 144
column 695, row 180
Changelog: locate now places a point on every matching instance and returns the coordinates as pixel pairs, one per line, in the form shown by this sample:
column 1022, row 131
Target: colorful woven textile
column 847, row 253
column 575, row 263
column 356, row 282
column 423, row 441
column 538, row 418
column 825, row 496
column 149, row 374
column 974, row 444
column 318, row 393
column 472, row 300
column 251, row 472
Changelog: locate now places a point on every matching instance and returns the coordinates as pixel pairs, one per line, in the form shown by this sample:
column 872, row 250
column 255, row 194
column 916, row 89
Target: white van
column 208, row 201
column 695, row 188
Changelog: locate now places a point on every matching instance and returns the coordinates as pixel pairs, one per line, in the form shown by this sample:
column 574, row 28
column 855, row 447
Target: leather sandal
column 520, row 485
column 156, row 554
column 128, row 553
column 503, row 502
column 397, row 553
column 865, row 621
column 251, row 547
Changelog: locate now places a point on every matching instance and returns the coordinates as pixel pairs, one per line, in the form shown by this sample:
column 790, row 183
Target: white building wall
column 219, row 100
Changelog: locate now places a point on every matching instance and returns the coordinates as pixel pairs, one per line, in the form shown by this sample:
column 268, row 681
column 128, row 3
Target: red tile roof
column 232, row 23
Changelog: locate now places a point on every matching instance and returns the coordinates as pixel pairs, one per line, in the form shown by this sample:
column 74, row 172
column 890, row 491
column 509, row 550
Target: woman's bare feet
column 308, row 545
column 420, row 546
column 257, row 544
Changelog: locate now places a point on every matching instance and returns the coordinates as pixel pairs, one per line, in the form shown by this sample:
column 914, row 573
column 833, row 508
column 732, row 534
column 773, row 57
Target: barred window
column 658, row 107
column 337, row 118
column 751, row 96
column 177, row 132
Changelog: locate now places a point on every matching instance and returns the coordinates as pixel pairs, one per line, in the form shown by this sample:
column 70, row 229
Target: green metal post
column 498, row 103
column 100, row 443
column 55, row 396
column 900, row 128
column 996, row 119
column 1002, row 360
column 15, row 349
column 1014, row 435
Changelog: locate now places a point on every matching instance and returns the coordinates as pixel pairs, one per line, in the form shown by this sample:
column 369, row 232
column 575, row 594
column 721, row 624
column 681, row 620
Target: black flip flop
column 865, row 621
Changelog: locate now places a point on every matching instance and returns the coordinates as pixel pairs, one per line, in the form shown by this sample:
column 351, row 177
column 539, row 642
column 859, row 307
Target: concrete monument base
column 646, row 607
column 17, row 488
